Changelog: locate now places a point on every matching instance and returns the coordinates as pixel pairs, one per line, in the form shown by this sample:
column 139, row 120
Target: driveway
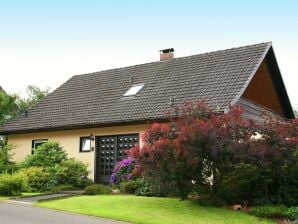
column 15, row 213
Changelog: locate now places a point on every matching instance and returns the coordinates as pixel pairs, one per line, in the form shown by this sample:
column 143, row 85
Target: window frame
column 34, row 141
column 140, row 86
column 81, row 143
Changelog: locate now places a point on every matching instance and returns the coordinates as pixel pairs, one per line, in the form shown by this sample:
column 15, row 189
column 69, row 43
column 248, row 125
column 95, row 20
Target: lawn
column 3, row 198
column 23, row 194
column 149, row 210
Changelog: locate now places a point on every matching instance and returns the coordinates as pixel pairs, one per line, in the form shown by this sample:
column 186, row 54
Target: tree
column 6, row 165
column 34, row 95
column 11, row 105
column 8, row 107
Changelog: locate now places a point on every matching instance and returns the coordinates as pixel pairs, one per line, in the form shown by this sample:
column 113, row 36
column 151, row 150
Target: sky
column 44, row 43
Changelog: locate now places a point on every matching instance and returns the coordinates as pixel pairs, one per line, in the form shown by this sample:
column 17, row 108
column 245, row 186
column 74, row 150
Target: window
column 134, row 90
column 85, row 144
column 36, row 143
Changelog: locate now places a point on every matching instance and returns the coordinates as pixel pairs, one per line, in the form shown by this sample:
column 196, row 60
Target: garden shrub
column 13, row 184
column 147, row 189
column 53, row 159
column 124, row 170
column 246, row 183
column 204, row 151
column 72, row 172
column 60, row 188
column 84, row 182
column 6, row 165
column 292, row 213
column 277, row 211
column 130, row 186
column 48, row 155
column 95, row 189
column 39, row 180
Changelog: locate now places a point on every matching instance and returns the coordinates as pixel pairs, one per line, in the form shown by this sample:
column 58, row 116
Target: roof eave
column 84, row 126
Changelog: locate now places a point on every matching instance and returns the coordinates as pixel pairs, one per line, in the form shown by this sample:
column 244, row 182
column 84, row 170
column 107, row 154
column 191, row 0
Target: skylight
column 134, row 90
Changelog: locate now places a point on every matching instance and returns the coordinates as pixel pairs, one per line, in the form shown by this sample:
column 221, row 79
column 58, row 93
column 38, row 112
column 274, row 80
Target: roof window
column 134, row 90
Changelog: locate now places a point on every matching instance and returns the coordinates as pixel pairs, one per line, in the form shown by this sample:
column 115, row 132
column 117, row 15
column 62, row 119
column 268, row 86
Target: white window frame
column 134, row 89
column 85, row 144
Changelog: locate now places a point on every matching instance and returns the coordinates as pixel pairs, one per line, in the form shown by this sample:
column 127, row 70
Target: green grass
column 2, row 198
column 150, row 210
column 30, row 193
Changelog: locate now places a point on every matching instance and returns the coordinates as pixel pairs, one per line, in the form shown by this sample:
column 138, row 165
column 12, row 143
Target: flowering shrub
column 124, row 170
column 202, row 150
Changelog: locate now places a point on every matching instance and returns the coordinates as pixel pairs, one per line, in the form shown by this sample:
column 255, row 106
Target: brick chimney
column 166, row 54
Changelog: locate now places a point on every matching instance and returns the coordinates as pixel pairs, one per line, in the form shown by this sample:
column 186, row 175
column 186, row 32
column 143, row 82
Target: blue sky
column 46, row 42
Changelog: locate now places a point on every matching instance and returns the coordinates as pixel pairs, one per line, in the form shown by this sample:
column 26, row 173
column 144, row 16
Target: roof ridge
column 269, row 43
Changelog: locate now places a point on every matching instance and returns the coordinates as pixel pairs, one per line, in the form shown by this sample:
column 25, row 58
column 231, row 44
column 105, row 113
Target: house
column 97, row 116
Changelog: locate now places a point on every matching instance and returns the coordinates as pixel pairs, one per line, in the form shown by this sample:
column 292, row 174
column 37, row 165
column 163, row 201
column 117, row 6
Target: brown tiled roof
column 96, row 99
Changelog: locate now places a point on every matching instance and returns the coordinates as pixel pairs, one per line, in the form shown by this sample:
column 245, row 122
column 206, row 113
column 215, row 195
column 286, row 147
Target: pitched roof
column 96, row 99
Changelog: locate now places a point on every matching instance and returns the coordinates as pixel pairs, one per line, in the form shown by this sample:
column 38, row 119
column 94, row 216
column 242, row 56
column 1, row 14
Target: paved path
column 14, row 213
column 39, row 197
column 42, row 197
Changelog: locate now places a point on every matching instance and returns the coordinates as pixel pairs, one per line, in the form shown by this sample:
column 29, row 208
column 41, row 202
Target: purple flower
column 129, row 176
column 125, row 162
column 123, row 171
column 113, row 178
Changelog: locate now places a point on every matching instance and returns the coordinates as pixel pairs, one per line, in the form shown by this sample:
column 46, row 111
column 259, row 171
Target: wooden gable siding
column 262, row 91
column 253, row 110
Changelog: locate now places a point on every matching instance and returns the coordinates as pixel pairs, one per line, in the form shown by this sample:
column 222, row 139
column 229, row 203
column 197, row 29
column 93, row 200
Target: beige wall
column 70, row 141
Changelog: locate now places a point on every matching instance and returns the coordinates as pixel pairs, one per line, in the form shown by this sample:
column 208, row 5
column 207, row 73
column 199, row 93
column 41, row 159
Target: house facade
column 97, row 116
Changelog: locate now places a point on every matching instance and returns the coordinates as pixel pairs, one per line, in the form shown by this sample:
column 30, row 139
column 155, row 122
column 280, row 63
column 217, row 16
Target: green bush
column 292, row 213
column 245, row 183
column 48, row 155
column 84, row 182
column 72, row 172
column 97, row 189
column 6, row 165
column 147, row 189
column 13, row 184
column 130, row 186
column 277, row 211
column 60, row 188
column 38, row 179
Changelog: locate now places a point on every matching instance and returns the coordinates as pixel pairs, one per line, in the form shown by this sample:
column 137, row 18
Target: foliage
column 84, row 182
column 59, row 188
column 8, row 107
column 146, row 189
column 34, row 95
column 201, row 151
column 95, row 189
column 124, row 170
column 13, row 184
column 72, row 172
column 292, row 213
column 6, row 165
column 54, row 161
column 48, row 155
column 151, row 210
column 278, row 211
column 130, row 186
column 39, row 179
column 12, row 105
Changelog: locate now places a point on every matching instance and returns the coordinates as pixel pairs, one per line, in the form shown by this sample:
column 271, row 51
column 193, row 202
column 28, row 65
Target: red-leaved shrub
column 199, row 149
